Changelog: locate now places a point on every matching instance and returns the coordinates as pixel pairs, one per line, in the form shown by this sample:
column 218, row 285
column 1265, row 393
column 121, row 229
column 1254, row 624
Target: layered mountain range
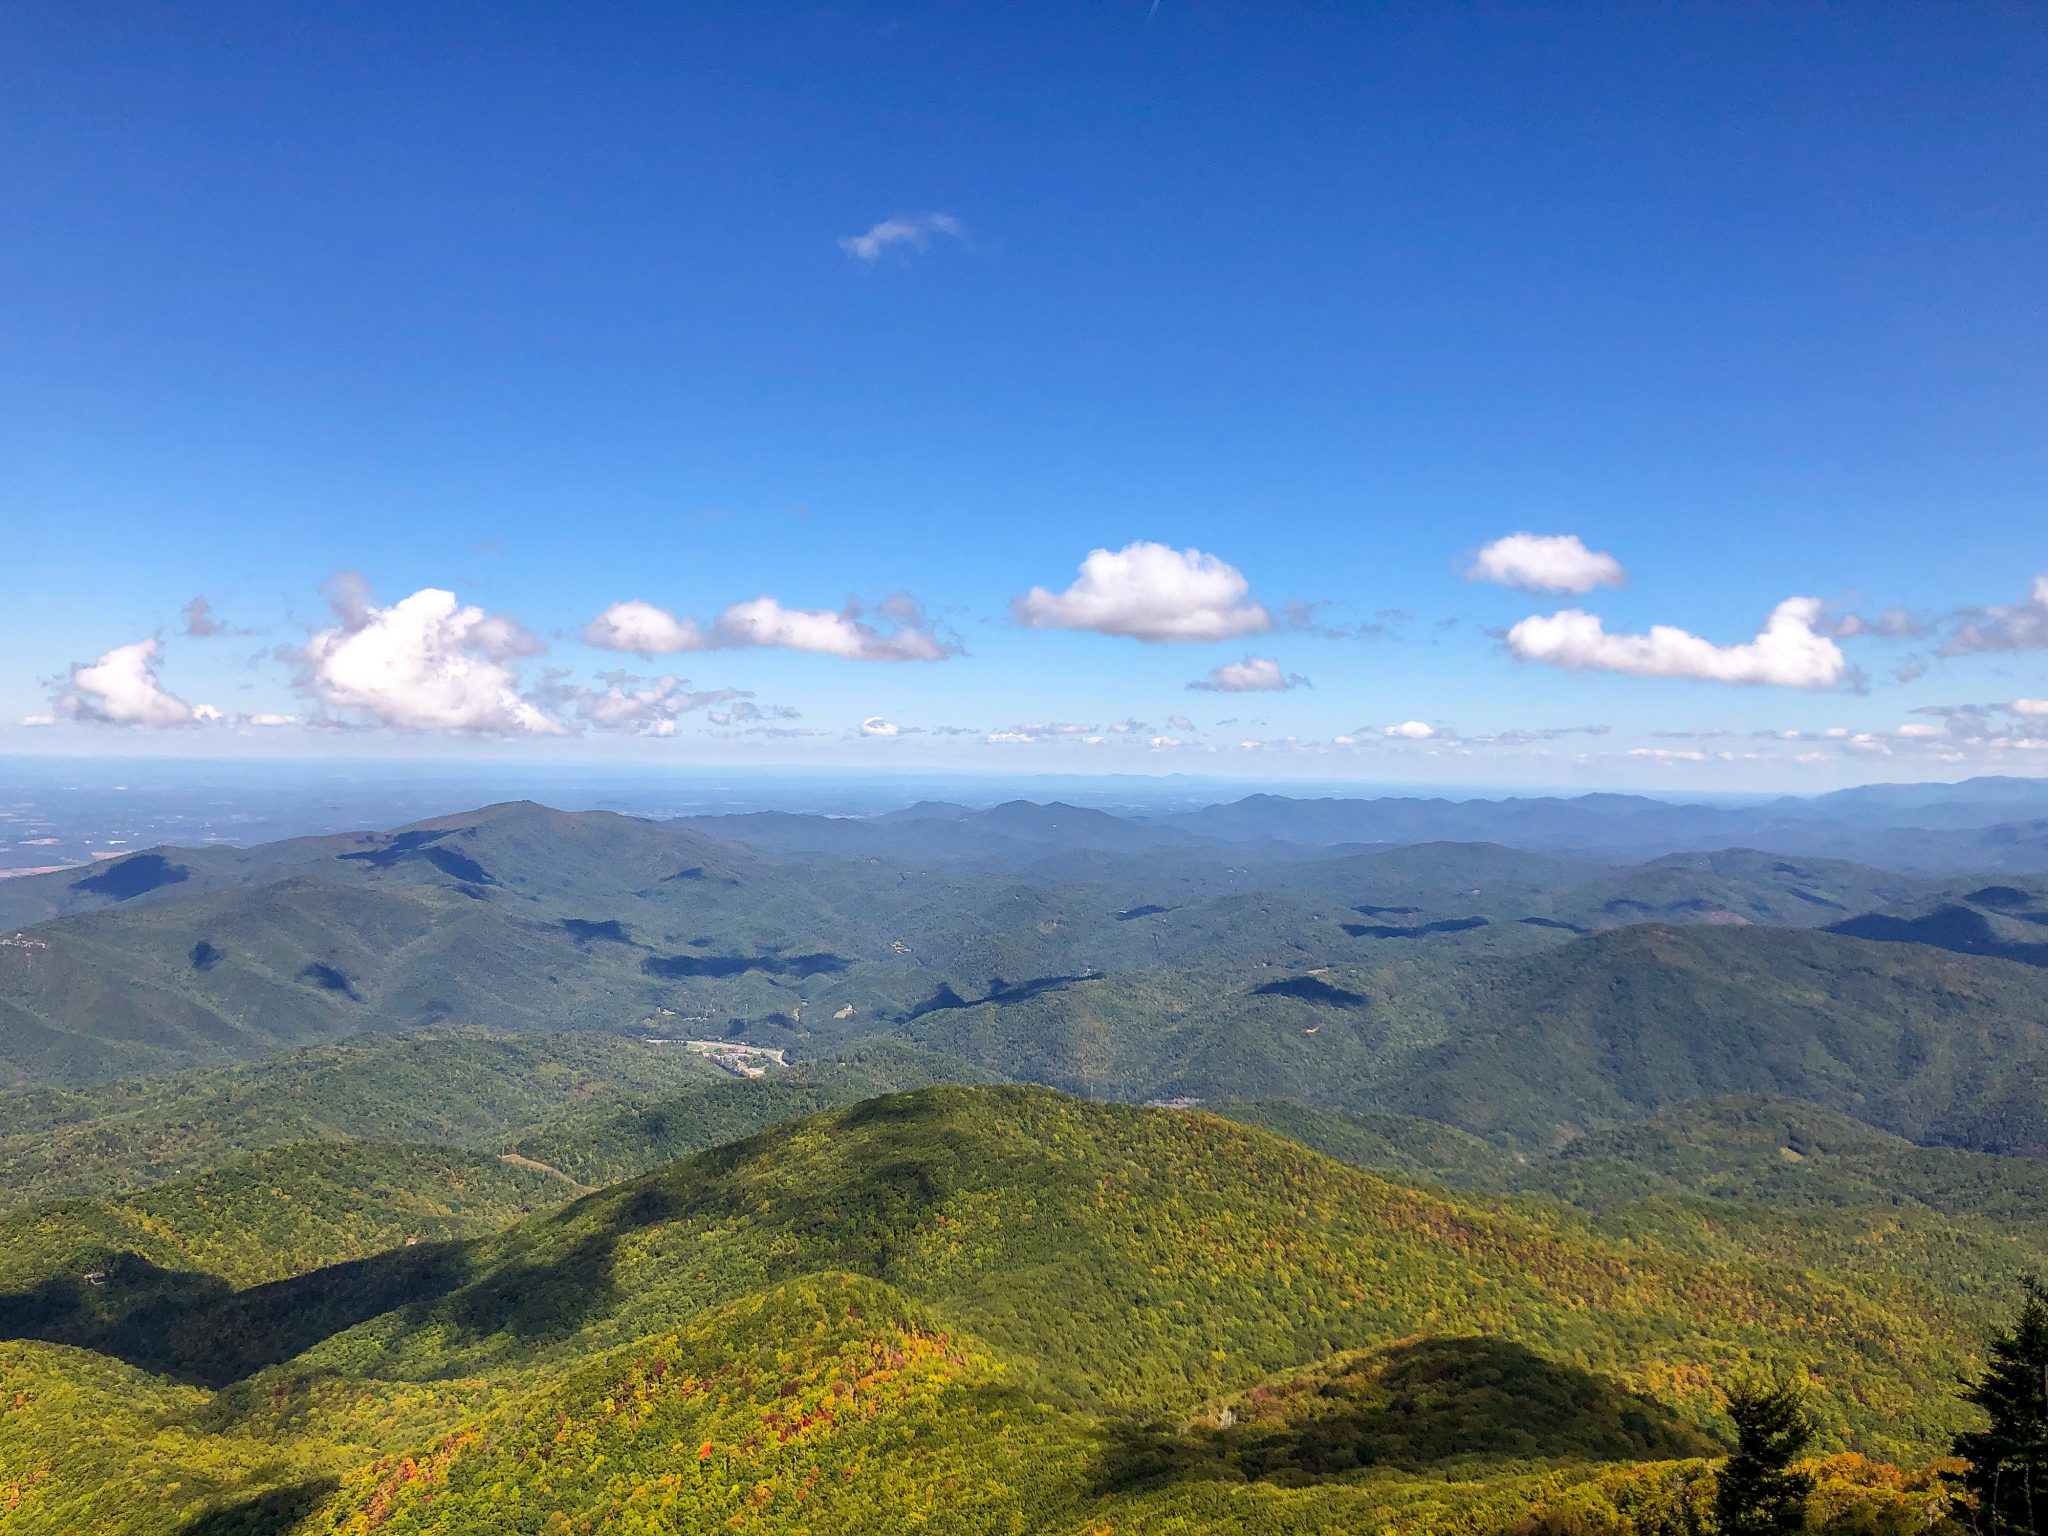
column 1025, row 1168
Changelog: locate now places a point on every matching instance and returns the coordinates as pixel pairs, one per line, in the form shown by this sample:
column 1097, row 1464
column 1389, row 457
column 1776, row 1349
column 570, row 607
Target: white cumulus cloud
column 645, row 630
column 875, row 725
column 911, row 231
column 1410, row 730
column 428, row 662
column 1255, row 674
column 121, row 688
column 1789, row 653
column 1150, row 592
column 1539, row 562
column 764, row 621
column 2029, row 706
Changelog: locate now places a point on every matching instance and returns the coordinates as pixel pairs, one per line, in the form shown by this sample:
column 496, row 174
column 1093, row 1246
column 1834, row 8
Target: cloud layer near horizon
column 647, row 630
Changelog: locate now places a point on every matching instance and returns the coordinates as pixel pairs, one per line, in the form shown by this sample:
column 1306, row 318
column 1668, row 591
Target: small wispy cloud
column 2021, row 626
column 908, row 232
column 202, row 623
column 1255, row 674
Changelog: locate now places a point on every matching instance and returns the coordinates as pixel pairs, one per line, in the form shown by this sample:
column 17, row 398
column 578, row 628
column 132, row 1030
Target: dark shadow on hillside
column 999, row 991
column 125, row 879
column 2003, row 897
column 588, row 930
column 1310, row 989
column 397, row 847
column 1414, row 931
column 422, row 847
column 328, row 979
column 273, row 1513
column 1815, row 899
column 1962, row 930
column 460, row 866
column 1412, row 1407
column 902, row 1155
column 900, row 1174
column 722, row 966
column 548, row 1298
column 200, row 1330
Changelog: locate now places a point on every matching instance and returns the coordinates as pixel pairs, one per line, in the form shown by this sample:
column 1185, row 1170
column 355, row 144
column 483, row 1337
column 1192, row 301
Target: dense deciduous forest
column 1507, row 1208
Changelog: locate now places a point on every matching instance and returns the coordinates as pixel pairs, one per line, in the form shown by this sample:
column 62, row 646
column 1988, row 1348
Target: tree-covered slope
column 1109, row 964
column 987, row 1305
column 1733, row 886
column 826, row 1403
column 1933, row 1046
column 1134, row 1256
column 278, row 1212
column 1785, row 1153
column 1933, row 1232
column 2006, row 918
column 468, row 1087
column 1594, row 1031
column 610, row 1141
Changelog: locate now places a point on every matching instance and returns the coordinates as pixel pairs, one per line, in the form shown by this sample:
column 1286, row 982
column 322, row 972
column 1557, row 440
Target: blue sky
column 313, row 309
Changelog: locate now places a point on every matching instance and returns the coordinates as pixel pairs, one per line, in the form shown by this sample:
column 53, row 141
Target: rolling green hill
column 1784, row 1153
column 466, row 1087
column 1539, row 1047
column 993, row 1305
column 2007, row 919
column 1734, row 886
column 1933, row 1046
column 279, row 1212
column 1129, row 1253
column 607, row 1142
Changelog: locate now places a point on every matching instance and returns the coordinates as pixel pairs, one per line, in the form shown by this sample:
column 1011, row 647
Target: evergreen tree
column 1758, row 1493
column 2007, row 1476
